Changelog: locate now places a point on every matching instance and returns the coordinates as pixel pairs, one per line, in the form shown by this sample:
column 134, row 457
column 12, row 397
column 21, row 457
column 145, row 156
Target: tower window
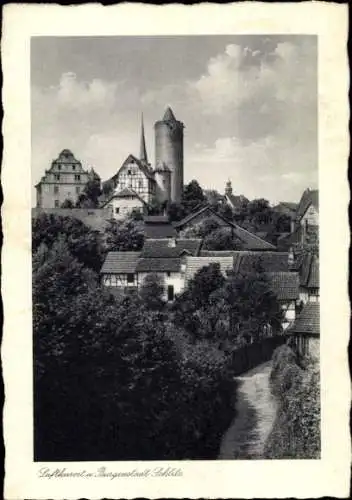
column 117, row 210
column 59, row 167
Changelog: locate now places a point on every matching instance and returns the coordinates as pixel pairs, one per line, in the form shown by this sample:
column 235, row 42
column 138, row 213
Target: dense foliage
column 84, row 244
column 124, row 236
column 231, row 311
column 114, row 378
column 296, row 431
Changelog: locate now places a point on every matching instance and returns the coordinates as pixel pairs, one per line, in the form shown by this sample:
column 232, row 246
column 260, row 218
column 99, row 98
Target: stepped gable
column 120, row 262
column 308, row 322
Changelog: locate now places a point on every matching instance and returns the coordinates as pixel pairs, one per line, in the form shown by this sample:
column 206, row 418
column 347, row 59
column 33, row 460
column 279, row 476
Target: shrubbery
column 114, row 378
column 296, row 431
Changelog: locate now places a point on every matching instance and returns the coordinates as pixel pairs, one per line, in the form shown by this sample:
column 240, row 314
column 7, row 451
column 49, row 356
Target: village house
column 305, row 227
column 176, row 261
column 246, row 239
column 305, row 332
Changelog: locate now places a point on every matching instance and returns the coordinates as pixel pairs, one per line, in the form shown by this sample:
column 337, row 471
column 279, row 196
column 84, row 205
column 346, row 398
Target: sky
column 248, row 102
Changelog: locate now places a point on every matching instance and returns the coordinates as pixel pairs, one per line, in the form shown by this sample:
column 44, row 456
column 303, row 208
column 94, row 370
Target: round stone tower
column 162, row 177
column 169, row 150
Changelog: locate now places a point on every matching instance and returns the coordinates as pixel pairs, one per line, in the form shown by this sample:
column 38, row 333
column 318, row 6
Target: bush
column 296, row 430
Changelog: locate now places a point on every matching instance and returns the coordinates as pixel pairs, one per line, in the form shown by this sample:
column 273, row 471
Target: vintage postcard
column 175, row 258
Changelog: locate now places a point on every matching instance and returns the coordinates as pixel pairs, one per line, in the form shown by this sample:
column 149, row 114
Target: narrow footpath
column 255, row 415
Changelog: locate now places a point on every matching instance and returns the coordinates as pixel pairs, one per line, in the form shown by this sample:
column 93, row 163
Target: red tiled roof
column 194, row 264
column 156, row 219
column 249, row 240
column 308, row 322
column 159, row 231
column 285, row 285
column 120, row 263
column 268, row 261
column 158, row 265
column 309, row 197
column 158, row 248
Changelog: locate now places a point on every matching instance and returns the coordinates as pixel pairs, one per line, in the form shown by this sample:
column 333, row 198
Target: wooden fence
column 252, row 355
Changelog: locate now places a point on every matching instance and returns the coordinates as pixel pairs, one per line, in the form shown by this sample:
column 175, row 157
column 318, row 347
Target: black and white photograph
column 175, row 240
column 175, row 260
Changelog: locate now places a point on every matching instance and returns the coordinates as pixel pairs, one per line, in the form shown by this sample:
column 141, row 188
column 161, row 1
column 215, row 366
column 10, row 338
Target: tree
column 222, row 239
column 175, row 211
column 89, row 198
column 85, row 244
column 152, row 292
column 192, row 196
column 124, row 236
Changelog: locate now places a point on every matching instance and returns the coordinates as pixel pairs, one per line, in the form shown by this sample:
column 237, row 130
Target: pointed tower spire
column 143, row 150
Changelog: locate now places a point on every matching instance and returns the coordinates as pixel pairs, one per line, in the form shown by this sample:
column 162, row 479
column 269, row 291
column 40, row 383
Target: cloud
column 257, row 169
column 240, row 76
column 73, row 93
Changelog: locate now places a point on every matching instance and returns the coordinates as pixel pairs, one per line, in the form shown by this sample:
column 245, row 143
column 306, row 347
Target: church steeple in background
column 143, row 150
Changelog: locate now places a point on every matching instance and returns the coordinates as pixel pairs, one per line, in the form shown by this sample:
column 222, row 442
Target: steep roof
column 159, row 231
column 143, row 166
column 249, row 240
column 308, row 267
column 309, row 197
column 120, row 262
column 172, row 264
column 267, row 261
column 124, row 193
column 285, row 285
column 169, row 115
column 159, row 248
column 156, row 219
column 194, row 264
column 308, row 321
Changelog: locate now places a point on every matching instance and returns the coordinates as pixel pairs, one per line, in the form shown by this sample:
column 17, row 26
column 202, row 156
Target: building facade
column 164, row 182
column 65, row 180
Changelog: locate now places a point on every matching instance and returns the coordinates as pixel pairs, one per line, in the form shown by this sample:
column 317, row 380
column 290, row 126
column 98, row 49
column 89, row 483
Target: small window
column 129, row 171
column 56, row 189
column 170, row 293
column 57, row 203
column 78, row 189
column 59, row 167
column 73, row 167
column 57, row 177
column 130, row 278
column 168, row 274
column 117, row 210
column 77, row 177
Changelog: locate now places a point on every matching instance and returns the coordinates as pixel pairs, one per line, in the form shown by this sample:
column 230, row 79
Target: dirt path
column 255, row 416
